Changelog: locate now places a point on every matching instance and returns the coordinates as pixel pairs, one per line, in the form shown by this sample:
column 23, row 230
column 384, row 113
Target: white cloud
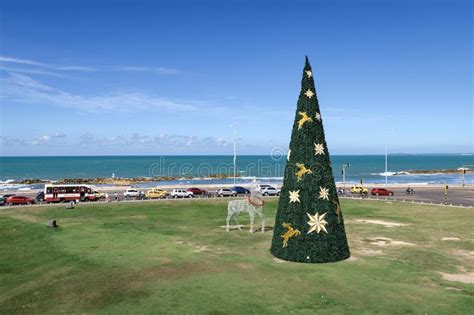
column 30, row 71
column 162, row 140
column 21, row 61
column 23, row 89
column 77, row 68
column 49, row 139
column 31, row 67
column 158, row 70
column 9, row 141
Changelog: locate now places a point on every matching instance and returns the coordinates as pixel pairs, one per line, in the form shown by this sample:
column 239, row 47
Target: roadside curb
column 421, row 202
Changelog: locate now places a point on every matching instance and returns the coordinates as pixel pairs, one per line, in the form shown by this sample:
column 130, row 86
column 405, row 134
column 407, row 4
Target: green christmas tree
column 309, row 226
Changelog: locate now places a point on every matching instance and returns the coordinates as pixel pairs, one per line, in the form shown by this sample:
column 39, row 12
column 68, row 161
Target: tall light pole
column 344, row 174
column 386, row 157
column 234, row 125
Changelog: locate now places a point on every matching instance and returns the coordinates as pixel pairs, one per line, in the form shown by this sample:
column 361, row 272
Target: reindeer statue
column 253, row 205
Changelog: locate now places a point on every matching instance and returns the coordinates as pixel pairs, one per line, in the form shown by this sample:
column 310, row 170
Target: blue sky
column 88, row 78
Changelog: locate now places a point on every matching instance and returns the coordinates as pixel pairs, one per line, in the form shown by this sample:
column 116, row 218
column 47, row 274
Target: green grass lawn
column 175, row 257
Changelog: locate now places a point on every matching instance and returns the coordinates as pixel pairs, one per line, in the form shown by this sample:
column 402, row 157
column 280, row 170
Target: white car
column 181, row 193
column 263, row 186
column 226, row 192
column 270, row 191
column 131, row 193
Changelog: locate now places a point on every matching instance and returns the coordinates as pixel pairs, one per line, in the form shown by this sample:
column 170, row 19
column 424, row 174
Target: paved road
column 456, row 195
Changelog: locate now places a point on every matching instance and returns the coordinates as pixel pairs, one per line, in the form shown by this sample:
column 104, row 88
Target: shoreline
column 127, row 181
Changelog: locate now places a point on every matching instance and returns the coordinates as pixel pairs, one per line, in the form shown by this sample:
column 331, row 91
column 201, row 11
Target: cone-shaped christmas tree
column 309, row 226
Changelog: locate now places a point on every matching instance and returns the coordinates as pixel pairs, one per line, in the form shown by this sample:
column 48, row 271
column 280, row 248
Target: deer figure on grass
column 252, row 205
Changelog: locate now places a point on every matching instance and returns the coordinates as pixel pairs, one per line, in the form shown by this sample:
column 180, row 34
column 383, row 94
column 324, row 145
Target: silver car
column 270, row 191
column 226, row 192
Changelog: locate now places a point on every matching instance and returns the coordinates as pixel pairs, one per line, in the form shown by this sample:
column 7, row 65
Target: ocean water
column 369, row 168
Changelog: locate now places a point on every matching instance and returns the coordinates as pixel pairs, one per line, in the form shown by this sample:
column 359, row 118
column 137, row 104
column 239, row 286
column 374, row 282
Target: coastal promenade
column 457, row 196
column 435, row 194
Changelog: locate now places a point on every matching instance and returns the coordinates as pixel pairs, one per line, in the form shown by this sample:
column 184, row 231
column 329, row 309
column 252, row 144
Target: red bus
column 62, row 193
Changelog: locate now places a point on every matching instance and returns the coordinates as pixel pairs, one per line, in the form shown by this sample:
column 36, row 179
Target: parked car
column 7, row 195
column 240, row 190
column 3, row 198
column 225, row 192
column 98, row 195
column 359, row 189
column 381, row 192
column 134, row 193
column 156, row 193
column 270, row 191
column 181, row 193
column 19, row 200
column 40, row 196
column 263, row 186
column 197, row 191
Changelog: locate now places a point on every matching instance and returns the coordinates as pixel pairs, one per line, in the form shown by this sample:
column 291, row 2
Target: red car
column 19, row 200
column 197, row 191
column 381, row 192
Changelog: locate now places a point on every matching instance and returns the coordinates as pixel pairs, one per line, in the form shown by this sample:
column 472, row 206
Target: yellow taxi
column 359, row 189
column 98, row 195
column 156, row 193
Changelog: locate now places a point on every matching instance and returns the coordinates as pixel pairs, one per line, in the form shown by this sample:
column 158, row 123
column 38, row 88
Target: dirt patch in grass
column 385, row 241
column 141, row 217
column 469, row 255
column 459, row 277
column 382, row 222
column 450, row 239
column 200, row 249
column 369, row 252
column 175, row 272
column 353, row 258
column 164, row 260
column 244, row 266
column 256, row 228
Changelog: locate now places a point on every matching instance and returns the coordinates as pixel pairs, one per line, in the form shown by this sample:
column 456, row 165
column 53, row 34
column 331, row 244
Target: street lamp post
column 234, row 125
column 344, row 174
column 386, row 161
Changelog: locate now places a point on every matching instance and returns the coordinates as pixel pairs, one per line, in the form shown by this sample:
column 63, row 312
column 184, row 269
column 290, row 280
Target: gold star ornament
column 309, row 93
column 318, row 116
column 323, row 193
column 309, row 73
column 294, row 196
column 317, row 223
column 318, row 149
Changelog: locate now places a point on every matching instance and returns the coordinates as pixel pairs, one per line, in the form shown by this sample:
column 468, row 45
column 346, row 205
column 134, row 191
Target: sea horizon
column 198, row 169
column 152, row 155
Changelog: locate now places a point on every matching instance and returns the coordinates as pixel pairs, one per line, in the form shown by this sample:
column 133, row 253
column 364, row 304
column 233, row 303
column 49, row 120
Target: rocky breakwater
column 442, row 171
column 118, row 181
